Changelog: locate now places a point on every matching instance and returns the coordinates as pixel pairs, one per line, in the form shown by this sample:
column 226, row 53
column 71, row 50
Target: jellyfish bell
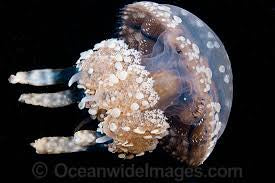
column 198, row 101
column 165, row 81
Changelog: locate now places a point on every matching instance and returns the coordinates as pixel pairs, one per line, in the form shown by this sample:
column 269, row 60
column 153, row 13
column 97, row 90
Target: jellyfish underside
column 166, row 80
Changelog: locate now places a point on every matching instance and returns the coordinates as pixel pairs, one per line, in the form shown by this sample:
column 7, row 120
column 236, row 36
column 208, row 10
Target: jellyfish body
column 167, row 80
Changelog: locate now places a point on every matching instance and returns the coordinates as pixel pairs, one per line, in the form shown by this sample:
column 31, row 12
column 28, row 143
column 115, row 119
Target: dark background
column 43, row 34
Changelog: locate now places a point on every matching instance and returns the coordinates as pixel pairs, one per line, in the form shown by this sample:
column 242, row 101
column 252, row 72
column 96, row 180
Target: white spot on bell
column 222, row 68
column 226, row 78
column 177, row 19
column 210, row 35
column 210, row 45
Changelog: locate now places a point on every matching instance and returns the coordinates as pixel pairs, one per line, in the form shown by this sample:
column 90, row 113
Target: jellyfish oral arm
column 46, row 77
column 51, row 100
column 103, row 139
column 56, row 145
column 43, row 77
column 81, row 140
column 74, row 79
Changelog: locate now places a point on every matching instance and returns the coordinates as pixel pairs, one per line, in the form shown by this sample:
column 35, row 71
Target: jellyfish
column 164, row 81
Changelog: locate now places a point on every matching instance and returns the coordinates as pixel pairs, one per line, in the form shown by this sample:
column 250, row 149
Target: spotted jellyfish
column 166, row 80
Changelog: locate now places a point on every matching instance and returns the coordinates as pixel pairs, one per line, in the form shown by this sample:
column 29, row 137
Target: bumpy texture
column 115, row 82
